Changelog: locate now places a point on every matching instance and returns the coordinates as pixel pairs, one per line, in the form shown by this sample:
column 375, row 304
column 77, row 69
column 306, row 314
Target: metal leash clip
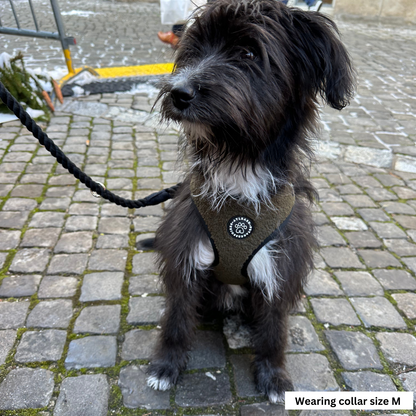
column 93, row 193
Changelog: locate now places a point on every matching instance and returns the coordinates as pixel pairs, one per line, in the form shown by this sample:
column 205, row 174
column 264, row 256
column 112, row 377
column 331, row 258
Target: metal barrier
column 60, row 35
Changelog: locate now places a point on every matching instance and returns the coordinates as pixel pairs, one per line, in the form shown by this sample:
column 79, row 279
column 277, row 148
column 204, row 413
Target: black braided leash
column 153, row 199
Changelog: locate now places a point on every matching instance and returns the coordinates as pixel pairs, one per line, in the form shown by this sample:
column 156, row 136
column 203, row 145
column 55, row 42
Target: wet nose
column 182, row 96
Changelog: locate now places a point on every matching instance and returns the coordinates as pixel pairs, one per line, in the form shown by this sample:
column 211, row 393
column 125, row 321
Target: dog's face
column 245, row 69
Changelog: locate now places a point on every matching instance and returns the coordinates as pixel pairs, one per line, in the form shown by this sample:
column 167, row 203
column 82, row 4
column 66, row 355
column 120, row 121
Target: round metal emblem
column 240, row 227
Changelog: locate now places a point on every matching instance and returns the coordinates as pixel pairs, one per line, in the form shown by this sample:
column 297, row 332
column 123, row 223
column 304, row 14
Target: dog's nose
column 182, row 96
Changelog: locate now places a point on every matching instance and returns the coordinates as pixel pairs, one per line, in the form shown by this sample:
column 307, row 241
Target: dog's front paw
column 273, row 382
column 162, row 377
column 157, row 383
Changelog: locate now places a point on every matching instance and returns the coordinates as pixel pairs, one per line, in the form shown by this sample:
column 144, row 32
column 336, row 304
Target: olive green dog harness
column 237, row 232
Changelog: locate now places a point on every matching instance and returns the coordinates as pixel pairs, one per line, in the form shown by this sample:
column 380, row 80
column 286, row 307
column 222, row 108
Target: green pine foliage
column 24, row 86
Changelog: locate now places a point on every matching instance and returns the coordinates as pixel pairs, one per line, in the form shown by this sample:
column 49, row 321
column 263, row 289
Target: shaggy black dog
column 239, row 233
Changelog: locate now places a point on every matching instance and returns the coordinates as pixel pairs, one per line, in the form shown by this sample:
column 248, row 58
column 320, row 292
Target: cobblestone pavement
column 80, row 304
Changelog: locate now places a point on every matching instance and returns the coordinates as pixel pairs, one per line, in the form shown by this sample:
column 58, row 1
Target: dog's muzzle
column 182, row 96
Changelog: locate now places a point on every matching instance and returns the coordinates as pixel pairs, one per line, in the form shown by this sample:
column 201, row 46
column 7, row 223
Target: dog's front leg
column 178, row 331
column 269, row 341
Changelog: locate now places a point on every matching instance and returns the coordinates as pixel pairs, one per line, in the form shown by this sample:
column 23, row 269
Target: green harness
column 237, row 233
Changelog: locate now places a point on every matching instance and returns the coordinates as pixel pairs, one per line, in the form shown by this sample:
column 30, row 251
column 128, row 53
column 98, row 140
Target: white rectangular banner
column 348, row 400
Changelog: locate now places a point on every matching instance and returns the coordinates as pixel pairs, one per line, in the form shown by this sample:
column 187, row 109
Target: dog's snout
column 182, row 96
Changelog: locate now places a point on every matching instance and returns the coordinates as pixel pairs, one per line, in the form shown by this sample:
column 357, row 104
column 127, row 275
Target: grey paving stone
column 334, row 311
column 101, row 286
column 387, row 230
column 7, row 339
column 19, row 204
column 401, row 247
column 13, row 314
column 3, row 257
column 406, row 221
column 360, row 201
column 81, row 223
column 77, row 242
column 398, row 347
column 354, row 350
column 68, row 264
column 373, row 214
column 60, row 191
column 83, row 209
column 337, row 208
column 109, row 259
column 40, row 237
column 373, row 258
column 50, row 204
column 27, row 191
column 146, row 224
column 310, row 372
column 327, row 236
column 320, row 219
column 359, row 284
column 92, row 352
column 47, row 219
column 368, row 381
column 398, row 208
column 101, row 319
column 26, row 388
column 363, row 239
column 136, row 392
column 406, row 302
column 321, row 283
column 207, row 351
column 243, row 375
column 41, row 346
column 114, row 225
column 341, row 257
column 58, row 287
column 9, row 239
column 85, row 395
column 237, row 332
column 302, row 336
column 395, row 279
column 30, row 260
column 139, row 344
column 349, row 223
column 263, row 409
column 51, row 314
column 5, row 189
column 200, row 390
column 145, row 311
column 325, row 413
column 410, row 263
column 19, row 286
column 144, row 263
column 112, row 241
column 409, row 382
column 329, row 195
column 378, row 311
column 138, row 285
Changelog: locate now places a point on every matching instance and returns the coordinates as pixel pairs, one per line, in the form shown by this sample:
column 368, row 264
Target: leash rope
column 153, row 199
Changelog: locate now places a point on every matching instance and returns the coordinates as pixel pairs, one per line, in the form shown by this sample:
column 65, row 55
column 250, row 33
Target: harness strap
column 237, row 232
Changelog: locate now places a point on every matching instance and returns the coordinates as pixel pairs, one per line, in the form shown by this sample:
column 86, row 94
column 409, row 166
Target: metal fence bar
column 33, row 15
column 30, row 33
column 14, row 14
column 60, row 35
column 64, row 40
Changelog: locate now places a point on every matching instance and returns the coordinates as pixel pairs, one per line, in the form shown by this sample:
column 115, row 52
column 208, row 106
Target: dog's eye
column 249, row 55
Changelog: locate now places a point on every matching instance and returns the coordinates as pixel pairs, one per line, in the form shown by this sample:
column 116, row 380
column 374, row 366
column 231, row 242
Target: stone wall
column 382, row 9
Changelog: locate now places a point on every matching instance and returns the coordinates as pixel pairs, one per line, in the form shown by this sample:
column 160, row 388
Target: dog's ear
column 325, row 65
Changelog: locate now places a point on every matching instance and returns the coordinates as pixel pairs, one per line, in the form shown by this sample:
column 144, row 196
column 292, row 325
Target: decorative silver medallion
column 240, row 227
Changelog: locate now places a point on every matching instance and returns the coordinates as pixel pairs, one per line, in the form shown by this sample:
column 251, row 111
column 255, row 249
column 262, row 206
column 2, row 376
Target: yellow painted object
column 122, row 71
